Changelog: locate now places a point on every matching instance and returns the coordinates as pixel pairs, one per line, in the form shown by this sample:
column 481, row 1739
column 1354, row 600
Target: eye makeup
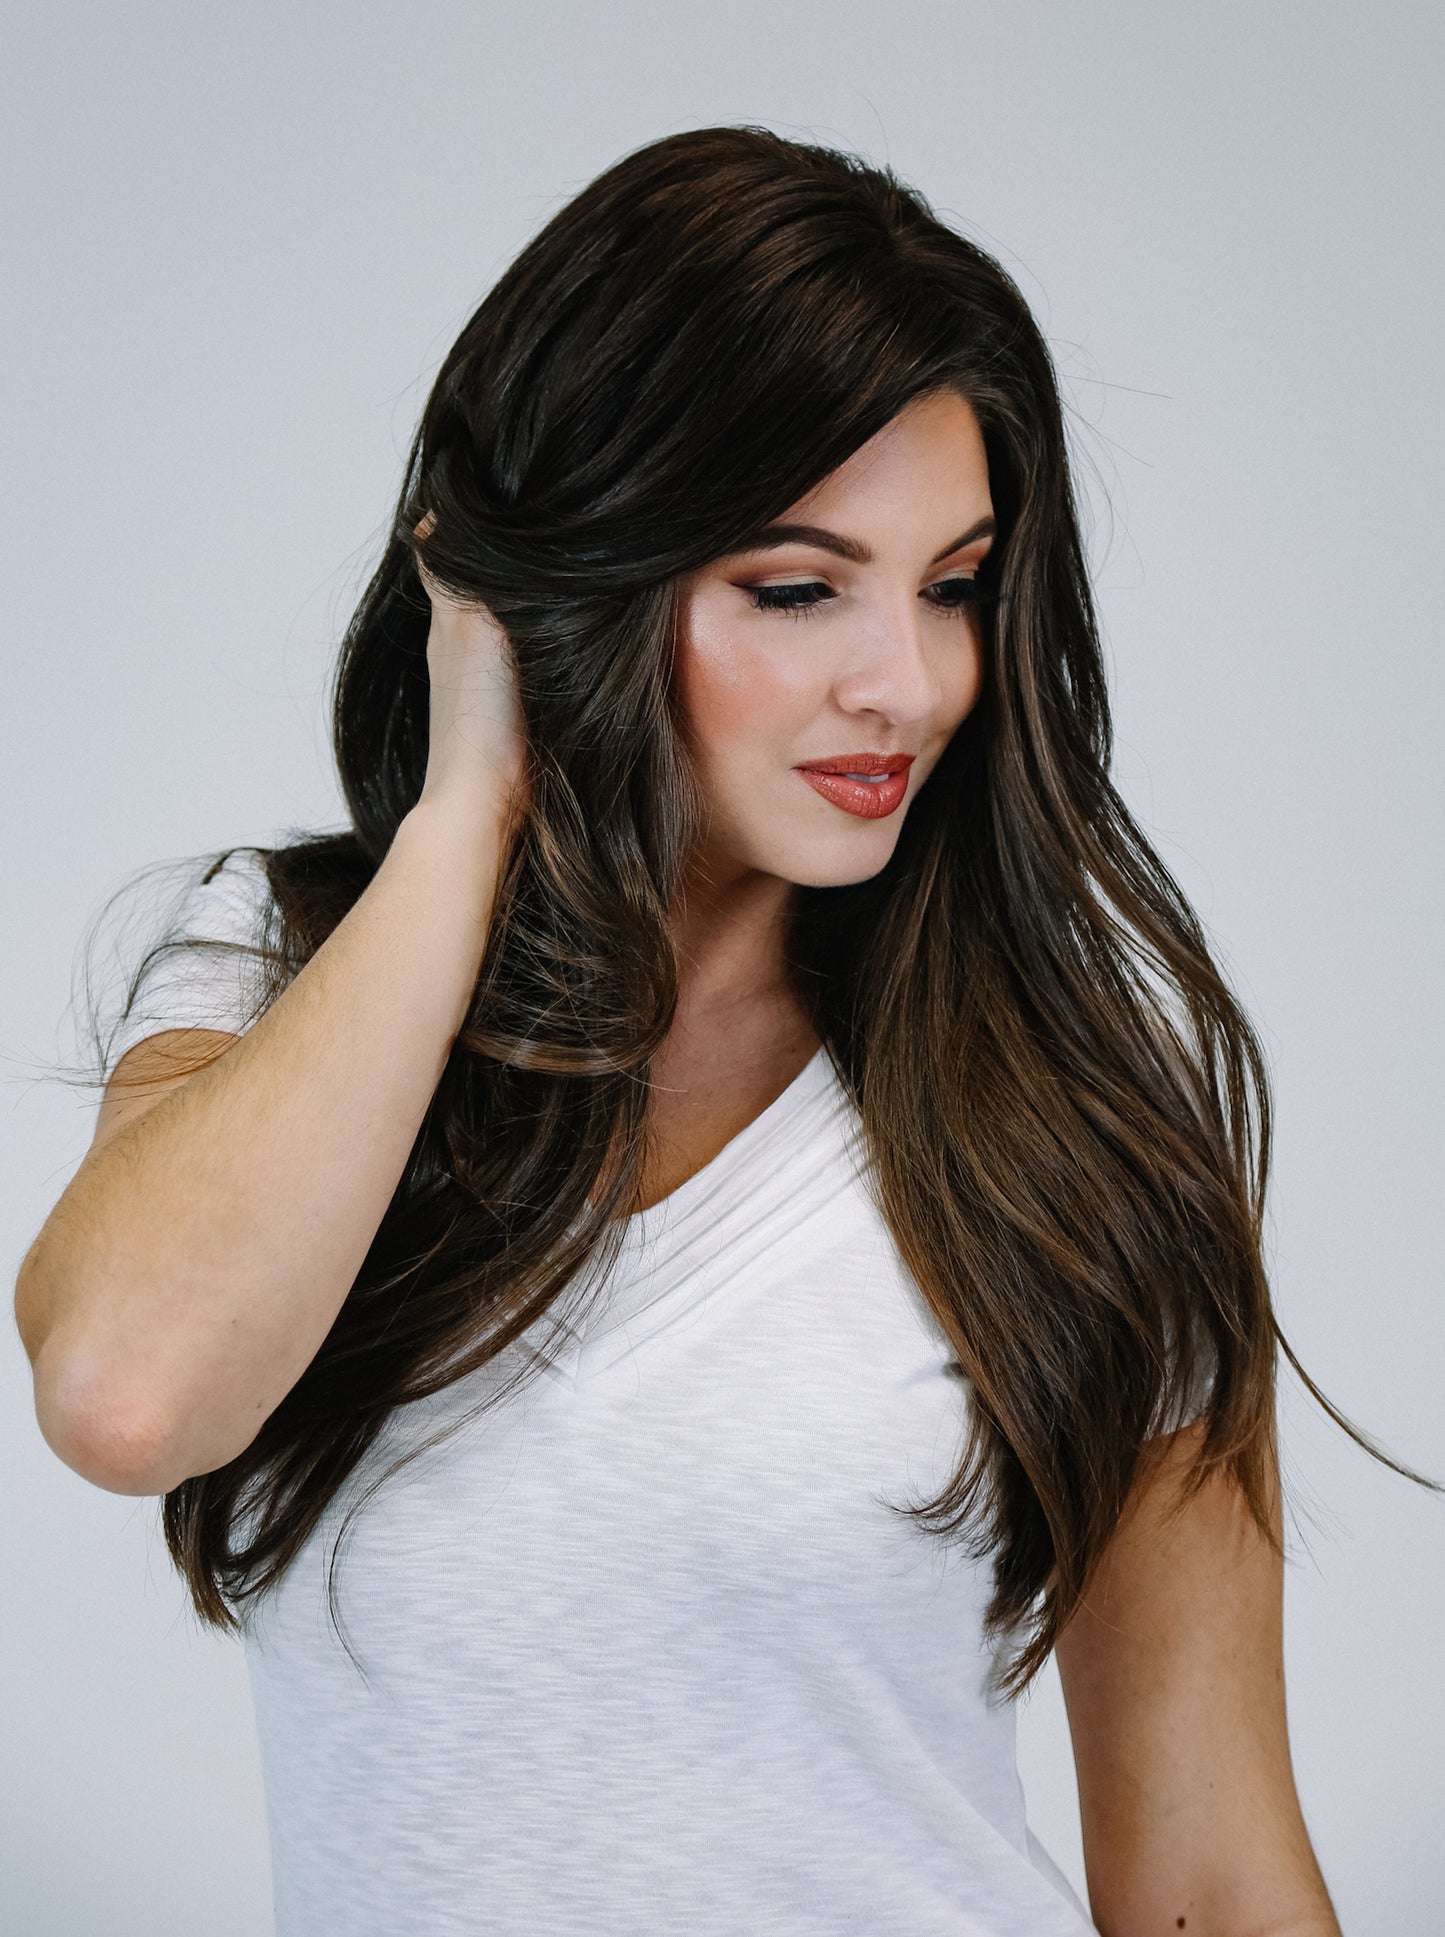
column 802, row 597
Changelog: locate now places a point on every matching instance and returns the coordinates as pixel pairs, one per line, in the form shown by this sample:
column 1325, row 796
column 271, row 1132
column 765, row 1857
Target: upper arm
column 1173, row 1676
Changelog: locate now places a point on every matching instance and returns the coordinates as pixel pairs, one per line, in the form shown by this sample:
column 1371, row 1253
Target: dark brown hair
column 1068, row 1110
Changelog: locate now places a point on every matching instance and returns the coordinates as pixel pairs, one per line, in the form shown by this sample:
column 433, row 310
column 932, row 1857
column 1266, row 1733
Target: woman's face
column 853, row 638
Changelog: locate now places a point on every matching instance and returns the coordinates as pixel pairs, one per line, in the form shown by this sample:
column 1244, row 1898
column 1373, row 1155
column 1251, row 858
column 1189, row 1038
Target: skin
column 1173, row 1674
column 1173, row 1669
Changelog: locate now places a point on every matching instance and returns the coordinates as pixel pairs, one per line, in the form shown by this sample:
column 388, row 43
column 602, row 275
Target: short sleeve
column 220, row 986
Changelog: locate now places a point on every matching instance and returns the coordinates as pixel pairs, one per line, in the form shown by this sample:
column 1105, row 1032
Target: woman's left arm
column 1173, row 1675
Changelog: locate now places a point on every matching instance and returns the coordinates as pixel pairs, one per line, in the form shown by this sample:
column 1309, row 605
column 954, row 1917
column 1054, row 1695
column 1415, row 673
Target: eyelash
column 792, row 598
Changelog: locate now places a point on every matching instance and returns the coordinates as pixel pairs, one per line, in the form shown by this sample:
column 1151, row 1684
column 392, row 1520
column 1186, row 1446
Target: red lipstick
column 869, row 799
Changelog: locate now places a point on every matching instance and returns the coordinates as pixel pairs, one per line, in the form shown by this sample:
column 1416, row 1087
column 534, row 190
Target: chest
column 715, row 1466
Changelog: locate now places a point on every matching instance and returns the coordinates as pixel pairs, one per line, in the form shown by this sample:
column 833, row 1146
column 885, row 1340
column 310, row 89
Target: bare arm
column 1173, row 1674
column 197, row 1259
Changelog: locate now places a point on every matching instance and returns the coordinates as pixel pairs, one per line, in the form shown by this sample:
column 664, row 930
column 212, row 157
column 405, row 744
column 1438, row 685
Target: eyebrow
column 771, row 536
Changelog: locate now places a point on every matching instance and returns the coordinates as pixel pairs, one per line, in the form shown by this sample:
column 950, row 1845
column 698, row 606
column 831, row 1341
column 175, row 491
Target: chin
column 833, row 864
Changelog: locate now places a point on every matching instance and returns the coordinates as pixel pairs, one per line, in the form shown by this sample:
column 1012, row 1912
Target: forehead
column 929, row 462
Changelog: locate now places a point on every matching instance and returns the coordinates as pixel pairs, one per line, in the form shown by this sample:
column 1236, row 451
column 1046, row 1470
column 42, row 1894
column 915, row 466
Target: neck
column 730, row 938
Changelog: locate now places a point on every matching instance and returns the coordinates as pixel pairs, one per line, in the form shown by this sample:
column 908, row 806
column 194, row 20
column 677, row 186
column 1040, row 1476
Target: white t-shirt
column 643, row 1649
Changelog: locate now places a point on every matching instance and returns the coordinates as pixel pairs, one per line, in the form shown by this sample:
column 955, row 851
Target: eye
column 961, row 592
column 797, row 599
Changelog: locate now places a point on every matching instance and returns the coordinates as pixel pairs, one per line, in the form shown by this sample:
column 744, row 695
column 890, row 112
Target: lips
column 867, row 799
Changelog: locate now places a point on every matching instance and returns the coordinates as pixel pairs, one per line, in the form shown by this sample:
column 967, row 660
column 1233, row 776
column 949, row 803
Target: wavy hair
column 1068, row 1111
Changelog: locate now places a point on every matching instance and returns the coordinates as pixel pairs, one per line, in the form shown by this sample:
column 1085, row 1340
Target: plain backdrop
column 239, row 240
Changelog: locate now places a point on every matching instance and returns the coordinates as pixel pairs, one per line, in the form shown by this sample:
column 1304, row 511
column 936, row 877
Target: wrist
column 469, row 809
column 462, row 830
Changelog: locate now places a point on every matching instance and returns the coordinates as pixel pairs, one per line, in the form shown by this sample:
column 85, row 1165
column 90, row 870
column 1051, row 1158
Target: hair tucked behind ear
column 1068, row 1111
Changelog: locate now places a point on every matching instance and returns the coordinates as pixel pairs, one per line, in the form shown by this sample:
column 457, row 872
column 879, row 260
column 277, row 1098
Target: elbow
column 108, row 1436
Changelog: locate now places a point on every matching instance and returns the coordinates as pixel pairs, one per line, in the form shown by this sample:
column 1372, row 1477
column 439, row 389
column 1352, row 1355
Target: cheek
column 732, row 691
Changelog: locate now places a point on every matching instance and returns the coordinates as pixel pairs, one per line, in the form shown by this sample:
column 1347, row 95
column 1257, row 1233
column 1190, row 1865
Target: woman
column 733, row 1188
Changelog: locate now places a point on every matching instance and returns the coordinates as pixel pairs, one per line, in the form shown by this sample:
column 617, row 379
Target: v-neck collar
column 794, row 1155
column 807, row 1144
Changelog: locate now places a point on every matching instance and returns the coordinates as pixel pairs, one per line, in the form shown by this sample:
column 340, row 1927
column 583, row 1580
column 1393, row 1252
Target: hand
column 477, row 736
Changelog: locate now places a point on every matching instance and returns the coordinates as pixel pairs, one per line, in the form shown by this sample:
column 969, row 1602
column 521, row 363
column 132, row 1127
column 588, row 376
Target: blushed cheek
column 735, row 703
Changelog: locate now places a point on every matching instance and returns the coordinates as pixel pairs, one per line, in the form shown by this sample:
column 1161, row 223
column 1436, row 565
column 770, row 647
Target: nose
column 889, row 668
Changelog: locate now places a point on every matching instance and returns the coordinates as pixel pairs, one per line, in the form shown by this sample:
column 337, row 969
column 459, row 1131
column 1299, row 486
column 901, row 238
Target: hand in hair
column 477, row 734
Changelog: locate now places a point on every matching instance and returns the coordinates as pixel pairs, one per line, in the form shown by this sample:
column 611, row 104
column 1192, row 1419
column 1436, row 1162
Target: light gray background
column 240, row 239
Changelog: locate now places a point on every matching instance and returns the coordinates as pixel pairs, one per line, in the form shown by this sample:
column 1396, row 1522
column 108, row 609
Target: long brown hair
column 1068, row 1111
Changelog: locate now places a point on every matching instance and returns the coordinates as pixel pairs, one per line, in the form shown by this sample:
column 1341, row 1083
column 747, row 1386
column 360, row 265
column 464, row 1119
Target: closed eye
column 948, row 595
